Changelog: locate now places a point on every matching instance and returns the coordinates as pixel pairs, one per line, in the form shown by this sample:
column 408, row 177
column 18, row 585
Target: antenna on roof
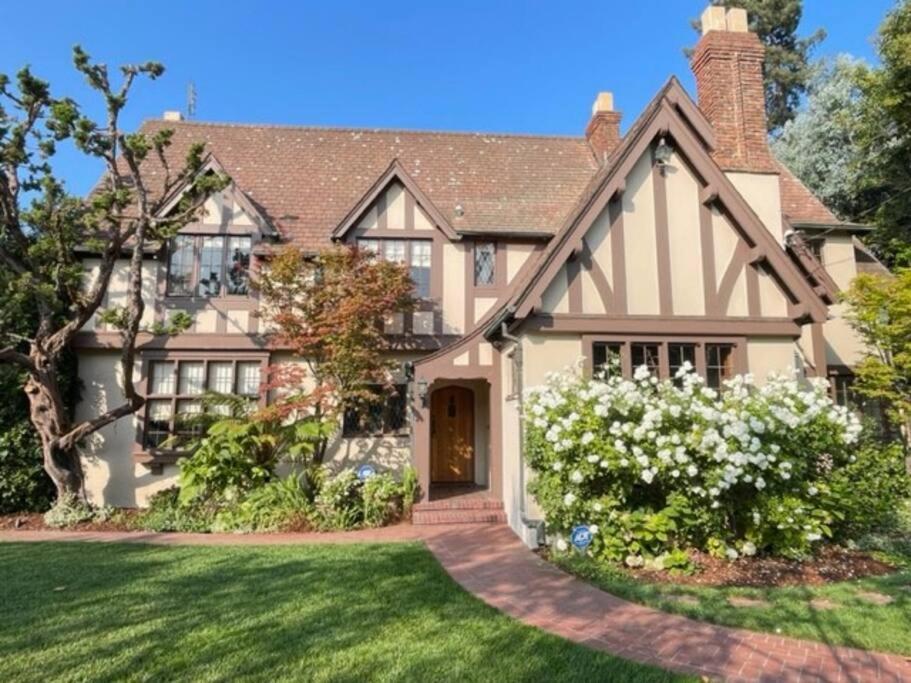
column 191, row 100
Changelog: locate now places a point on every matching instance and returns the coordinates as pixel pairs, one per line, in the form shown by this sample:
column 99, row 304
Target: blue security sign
column 364, row 472
column 581, row 537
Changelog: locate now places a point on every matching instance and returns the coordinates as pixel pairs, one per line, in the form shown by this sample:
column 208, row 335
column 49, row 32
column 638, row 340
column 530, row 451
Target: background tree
column 330, row 310
column 821, row 145
column 786, row 69
column 886, row 139
column 880, row 310
column 41, row 226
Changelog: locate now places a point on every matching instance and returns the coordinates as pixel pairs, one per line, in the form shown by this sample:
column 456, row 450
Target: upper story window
column 484, row 264
column 416, row 254
column 209, row 265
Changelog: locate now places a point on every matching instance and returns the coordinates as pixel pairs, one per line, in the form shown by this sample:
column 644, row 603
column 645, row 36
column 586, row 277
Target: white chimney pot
column 172, row 116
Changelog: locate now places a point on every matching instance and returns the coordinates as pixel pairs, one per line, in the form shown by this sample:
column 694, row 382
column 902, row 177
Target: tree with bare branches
column 43, row 227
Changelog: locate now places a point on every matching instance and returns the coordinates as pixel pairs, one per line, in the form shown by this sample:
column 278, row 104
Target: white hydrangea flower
column 576, row 477
column 562, row 545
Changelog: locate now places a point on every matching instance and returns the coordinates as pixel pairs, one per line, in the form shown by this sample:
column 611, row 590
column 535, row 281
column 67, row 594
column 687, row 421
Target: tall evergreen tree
column 886, row 140
column 787, row 69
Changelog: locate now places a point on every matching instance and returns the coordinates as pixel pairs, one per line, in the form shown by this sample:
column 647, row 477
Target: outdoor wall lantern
column 422, row 387
column 663, row 154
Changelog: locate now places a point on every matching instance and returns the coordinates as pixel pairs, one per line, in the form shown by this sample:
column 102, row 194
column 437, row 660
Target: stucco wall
column 843, row 345
column 763, row 194
column 770, row 354
column 112, row 478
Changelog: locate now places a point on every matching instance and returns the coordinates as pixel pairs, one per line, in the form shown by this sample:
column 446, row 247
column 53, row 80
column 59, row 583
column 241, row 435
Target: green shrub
column 655, row 466
column 24, row 485
column 240, row 454
column 340, row 504
column 870, row 491
column 382, row 497
column 410, row 489
column 68, row 512
column 281, row 504
column 166, row 513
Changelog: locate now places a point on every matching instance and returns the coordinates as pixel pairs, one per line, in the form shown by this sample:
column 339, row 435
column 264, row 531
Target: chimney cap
column 604, row 102
column 172, row 115
column 731, row 19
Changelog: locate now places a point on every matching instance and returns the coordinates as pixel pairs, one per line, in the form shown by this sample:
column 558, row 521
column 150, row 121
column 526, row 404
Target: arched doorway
column 452, row 442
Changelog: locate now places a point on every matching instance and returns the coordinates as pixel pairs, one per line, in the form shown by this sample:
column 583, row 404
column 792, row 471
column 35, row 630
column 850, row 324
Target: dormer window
column 209, row 265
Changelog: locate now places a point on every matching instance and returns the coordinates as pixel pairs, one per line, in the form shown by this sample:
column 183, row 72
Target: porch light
column 422, row 386
column 663, row 153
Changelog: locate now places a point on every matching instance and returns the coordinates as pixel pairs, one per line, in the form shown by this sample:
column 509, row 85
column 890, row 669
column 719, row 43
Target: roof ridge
column 353, row 129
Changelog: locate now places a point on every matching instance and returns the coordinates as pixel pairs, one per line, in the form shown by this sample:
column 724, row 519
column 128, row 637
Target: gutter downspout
column 536, row 524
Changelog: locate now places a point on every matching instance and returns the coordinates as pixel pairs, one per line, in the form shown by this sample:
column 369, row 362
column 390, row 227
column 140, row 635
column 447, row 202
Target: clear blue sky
column 485, row 65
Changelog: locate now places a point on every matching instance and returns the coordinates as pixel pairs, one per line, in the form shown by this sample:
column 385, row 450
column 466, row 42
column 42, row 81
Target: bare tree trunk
column 51, row 421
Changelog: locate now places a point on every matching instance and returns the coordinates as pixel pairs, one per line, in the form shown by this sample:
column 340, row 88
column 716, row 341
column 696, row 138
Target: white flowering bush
column 655, row 467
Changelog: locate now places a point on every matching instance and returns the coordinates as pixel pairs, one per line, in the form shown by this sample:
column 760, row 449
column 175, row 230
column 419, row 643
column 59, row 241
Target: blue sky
column 531, row 67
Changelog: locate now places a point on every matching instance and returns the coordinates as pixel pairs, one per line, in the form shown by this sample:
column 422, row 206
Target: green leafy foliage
column 166, row 513
column 24, row 486
column 239, row 454
column 69, row 511
column 282, row 504
column 879, row 309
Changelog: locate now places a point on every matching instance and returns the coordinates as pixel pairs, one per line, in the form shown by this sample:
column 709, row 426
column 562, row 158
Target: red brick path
column 490, row 562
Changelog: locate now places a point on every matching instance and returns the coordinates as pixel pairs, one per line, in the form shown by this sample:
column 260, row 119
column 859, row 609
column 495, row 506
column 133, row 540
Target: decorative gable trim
column 395, row 172
column 672, row 114
column 212, row 165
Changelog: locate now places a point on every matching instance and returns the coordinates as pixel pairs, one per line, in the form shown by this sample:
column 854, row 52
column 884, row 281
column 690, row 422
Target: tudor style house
column 683, row 239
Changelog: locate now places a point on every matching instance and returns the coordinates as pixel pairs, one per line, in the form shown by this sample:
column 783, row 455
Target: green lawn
column 836, row 613
column 92, row 612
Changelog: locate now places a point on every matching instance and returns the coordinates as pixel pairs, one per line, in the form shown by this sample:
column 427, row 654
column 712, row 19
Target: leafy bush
column 240, row 454
column 653, row 466
column 339, row 504
column 24, row 485
column 871, row 491
column 345, row 502
column 166, row 513
column 69, row 511
column 279, row 505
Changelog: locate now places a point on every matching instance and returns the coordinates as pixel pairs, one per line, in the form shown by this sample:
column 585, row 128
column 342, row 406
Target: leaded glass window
column 485, row 263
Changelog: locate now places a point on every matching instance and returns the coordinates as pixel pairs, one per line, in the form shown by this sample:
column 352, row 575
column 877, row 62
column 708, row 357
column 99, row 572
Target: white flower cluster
column 713, row 445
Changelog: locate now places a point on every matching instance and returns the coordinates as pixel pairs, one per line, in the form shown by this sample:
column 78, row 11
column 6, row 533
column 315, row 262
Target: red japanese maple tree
column 330, row 310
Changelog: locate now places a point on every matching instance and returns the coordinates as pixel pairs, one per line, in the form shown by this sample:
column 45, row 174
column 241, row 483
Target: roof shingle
column 307, row 179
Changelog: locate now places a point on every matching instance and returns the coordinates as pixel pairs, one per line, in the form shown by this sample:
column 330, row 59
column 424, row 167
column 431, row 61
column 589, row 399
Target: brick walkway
column 490, row 562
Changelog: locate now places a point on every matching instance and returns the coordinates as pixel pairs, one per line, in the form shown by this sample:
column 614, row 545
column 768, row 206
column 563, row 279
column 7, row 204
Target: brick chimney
column 603, row 131
column 727, row 63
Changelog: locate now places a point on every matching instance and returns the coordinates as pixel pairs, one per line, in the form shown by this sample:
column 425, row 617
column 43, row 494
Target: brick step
column 459, row 504
column 427, row 517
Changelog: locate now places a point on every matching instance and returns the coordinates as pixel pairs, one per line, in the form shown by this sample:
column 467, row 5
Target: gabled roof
column 394, row 173
column 307, row 179
column 212, row 165
column 666, row 114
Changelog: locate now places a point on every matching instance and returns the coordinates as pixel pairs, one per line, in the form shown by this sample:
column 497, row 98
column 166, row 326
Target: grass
column 93, row 612
column 843, row 618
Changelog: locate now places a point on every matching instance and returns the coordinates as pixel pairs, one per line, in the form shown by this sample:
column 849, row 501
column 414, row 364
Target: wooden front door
column 452, row 435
